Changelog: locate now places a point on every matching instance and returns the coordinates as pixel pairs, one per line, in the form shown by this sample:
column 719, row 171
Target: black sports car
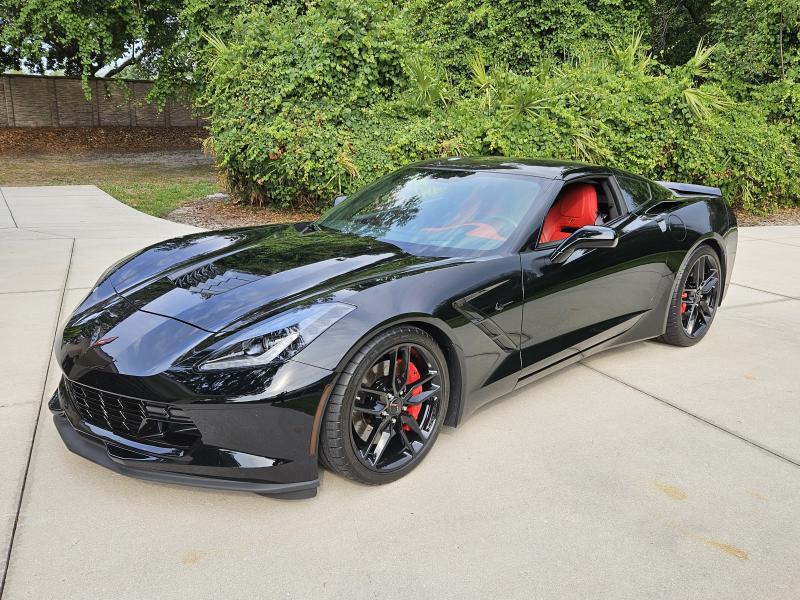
column 241, row 359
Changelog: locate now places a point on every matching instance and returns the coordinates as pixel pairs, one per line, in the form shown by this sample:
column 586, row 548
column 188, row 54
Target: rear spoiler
column 690, row 189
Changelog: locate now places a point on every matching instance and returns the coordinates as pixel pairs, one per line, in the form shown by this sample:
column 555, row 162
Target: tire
column 682, row 300
column 342, row 447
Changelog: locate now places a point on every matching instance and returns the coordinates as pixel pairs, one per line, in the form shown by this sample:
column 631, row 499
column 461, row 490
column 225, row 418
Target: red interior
column 576, row 207
column 481, row 230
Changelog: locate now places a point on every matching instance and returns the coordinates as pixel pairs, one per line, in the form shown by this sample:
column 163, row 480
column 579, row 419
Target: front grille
column 132, row 417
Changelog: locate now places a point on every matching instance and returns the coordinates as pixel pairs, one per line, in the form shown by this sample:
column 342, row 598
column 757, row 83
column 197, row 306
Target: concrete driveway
column 645, row 472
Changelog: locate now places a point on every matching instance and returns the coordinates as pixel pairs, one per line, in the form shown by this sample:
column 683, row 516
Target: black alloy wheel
column 699, row 296
column 396, row 407
column 387, row 408
column 695, row 300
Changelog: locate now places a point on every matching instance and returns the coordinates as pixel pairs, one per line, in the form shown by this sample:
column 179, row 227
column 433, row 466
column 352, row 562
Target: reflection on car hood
column 216, row 280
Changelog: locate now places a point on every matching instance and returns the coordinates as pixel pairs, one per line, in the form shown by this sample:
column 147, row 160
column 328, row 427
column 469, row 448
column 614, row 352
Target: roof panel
column 540, row 167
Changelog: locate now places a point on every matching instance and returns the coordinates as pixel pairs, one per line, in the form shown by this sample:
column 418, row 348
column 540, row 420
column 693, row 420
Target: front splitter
column 95, row 450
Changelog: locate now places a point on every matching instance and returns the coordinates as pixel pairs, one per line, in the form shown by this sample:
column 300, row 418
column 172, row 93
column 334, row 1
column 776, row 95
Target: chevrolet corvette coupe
column 242, row 359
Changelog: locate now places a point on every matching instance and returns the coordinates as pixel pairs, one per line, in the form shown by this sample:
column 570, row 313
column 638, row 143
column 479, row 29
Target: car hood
column 227, row 279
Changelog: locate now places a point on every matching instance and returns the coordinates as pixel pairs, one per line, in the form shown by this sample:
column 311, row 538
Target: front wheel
column 695, row 300
column 387, row 407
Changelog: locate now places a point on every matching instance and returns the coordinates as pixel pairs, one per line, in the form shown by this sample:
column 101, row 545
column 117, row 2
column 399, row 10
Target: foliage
column 162, row 39
column 80, row 37
column 182, row 64
column 295, row 130
column 518, row 33
column 781, row 102
column 283, row 96
column 310, row 98
column 758, row 40
column 677, row 26
column 631, row 58
column 428, row 84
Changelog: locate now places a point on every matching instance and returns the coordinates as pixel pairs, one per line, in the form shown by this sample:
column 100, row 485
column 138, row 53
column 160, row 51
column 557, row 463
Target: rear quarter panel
column 687, row 223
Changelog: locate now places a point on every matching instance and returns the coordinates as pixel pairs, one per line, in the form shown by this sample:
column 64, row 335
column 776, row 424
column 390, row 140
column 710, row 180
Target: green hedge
column 308, row 104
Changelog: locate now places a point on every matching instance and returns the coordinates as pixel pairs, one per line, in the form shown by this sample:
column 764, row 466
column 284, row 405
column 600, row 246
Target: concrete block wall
column 43, row 101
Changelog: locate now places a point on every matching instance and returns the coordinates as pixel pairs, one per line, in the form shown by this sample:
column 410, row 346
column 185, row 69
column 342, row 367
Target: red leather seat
column 576, row 207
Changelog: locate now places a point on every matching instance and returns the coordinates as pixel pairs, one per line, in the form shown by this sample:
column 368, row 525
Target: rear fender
column 715, row 241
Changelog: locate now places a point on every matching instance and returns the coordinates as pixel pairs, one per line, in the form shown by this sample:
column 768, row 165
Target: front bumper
column 238, row 448
column 98, row 452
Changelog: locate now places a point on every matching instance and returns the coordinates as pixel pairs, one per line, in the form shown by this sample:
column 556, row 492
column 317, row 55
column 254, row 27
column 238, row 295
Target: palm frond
column 585, row 145
column 698, row 64
column 632, row 57
column 524, row 101
column 702, row 103
column 345, row 161
column 346, row 166
column 429, row 86
column 218, row 47
column 482, row 81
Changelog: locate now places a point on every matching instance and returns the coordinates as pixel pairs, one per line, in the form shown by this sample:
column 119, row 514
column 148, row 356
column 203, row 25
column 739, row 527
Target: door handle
column 501, row 305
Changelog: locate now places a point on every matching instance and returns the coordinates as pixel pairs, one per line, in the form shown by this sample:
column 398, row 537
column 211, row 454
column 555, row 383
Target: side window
column 635, row 191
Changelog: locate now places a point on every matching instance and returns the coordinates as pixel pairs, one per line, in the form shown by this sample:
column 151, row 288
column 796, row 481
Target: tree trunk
column 780, row 42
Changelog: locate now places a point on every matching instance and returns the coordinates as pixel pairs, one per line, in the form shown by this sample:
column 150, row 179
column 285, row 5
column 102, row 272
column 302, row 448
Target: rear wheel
column 695, row 300
column 387, row 408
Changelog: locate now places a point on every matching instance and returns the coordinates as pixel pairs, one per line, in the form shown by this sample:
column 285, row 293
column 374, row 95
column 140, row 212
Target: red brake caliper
column 413, row 375
column 684, row 295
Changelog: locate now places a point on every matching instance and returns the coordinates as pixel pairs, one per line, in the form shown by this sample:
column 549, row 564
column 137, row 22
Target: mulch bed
column 71, row 140
column 782, row 216
column 218, row 211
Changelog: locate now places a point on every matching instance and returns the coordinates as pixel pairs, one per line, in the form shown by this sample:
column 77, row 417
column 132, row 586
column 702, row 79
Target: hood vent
column 208, row 280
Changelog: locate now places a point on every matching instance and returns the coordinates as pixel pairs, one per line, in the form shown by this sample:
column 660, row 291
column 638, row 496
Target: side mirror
column 338, row 200
column 590, row 236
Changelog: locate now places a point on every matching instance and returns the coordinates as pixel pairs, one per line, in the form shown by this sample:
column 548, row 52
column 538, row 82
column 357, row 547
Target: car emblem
column 103, row 342
column 395, row 406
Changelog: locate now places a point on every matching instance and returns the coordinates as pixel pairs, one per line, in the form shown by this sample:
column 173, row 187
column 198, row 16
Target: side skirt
column 636, row 333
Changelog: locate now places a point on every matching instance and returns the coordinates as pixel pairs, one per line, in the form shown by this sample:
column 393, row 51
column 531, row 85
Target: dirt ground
column 218, row 211
column 21, row 141
column 152, row 182
column 162, row 172
column 782, row 216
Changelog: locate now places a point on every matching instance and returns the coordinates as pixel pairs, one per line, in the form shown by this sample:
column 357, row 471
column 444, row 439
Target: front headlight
column 279, row 338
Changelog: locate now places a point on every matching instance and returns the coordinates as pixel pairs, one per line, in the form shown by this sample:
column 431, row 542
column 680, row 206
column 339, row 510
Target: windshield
column 424, row 210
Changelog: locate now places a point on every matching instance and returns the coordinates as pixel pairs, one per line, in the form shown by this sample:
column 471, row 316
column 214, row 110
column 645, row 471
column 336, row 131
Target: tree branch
column 783, row 25
column 132, row 59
